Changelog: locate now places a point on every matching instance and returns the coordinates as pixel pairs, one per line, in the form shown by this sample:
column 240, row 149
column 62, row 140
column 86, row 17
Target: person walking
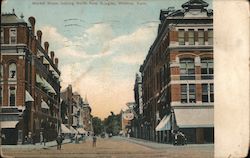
column 94, row 140
column 59, row 142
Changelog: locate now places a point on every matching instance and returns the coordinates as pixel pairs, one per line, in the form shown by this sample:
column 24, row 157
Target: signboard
column 128, row 116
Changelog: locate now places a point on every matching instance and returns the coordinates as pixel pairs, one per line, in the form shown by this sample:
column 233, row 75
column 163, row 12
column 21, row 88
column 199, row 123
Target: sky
column 100, row 43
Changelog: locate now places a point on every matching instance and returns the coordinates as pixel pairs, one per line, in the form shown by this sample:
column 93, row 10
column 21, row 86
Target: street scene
column 107, row 78
column 116, row 147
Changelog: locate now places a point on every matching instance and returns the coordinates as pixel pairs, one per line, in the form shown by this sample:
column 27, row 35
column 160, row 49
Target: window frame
column 14, row 87
column 15, row 77
column 191, row 37
column 10, row 36
column 208, row 93
column 181, row 38
column 189, row 72
column 186, row 93
column 210, row 36
column 201, row 37
column 2, row 35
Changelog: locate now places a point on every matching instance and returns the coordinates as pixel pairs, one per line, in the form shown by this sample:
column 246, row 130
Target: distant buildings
column 30, row 86
column 75, row 112
column 177, row 77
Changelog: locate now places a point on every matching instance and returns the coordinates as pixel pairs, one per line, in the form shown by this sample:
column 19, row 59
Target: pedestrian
column 94, row 140
column 59, row 142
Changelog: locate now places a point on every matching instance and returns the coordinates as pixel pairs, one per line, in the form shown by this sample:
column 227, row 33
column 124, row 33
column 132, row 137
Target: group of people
column 60, row 138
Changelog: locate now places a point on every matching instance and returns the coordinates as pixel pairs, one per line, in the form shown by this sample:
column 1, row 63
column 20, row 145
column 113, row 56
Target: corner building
column 30, row 86
column 177, row 76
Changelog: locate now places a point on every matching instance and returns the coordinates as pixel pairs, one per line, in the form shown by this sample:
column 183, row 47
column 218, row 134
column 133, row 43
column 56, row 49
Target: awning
column 66, row 117
column 165, row 124
column 73, row 130
column 48, row 87
column 8, row 124
column 44, row 105
column 45, row 61
column 39, row 80
column 28, row 97
column 194, row 117
column 65, row 129
column 81, row 130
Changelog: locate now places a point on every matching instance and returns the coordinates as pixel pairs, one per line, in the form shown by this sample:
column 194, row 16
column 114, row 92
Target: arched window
column 187, row 69
column 12, row 71
column 207, row 68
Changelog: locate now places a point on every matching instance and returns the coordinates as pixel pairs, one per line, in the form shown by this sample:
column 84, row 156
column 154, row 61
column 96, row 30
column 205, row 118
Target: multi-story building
column 67, row 106
column 30, row 86
column 86, row 116
column 177, row 76
column 136, row 123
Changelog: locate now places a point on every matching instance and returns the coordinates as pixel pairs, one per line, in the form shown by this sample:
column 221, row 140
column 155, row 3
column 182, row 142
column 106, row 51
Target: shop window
column 181, row 37
column 191, row 37
column 201, row 37
column 12, row 71
column 12, row 97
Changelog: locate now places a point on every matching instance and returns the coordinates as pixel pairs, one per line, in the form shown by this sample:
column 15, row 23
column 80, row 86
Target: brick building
column 30, row 86
column 177, row 76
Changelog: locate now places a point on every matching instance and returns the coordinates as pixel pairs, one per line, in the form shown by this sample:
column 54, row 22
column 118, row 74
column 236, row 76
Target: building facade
column 30, row 86
column 177, row 76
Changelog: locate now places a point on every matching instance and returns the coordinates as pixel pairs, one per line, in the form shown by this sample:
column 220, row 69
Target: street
column 116, row 147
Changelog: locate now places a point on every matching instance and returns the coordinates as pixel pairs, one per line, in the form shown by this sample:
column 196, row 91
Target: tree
column 113, row 123
column 97, row 125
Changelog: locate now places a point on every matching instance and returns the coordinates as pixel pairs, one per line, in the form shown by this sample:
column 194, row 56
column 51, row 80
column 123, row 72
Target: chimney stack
column 52, row 55
column 32, row 21
column 46, row 47
column 56, row 62
column 39, row 36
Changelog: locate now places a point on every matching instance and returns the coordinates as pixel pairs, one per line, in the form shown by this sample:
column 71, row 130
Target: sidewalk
column 36, row 146
column 155, row 145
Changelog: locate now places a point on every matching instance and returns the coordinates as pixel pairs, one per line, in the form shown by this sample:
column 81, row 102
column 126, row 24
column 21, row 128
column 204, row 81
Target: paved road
column 116, row 148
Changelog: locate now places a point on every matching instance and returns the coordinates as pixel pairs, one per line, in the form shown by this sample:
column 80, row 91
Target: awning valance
column 65, row 129
column 44, row 105
column 28, row 97
column 165, row 124
column 81, row 131
column 8, row 124
column 73, row 130
column 194, row 117
column 48, row 87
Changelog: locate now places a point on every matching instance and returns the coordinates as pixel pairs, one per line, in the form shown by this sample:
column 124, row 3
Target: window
column 2, row 35
column 181, row 37
column 188, row 93
column 12, row 71
column 201, row 37
column 1, row 71
column 187, row 69
column 13, row 36
column 1, row 95
column 191, row 37
column 12, row 96
column 210, row 37
column 207, row 69
column 208, row 93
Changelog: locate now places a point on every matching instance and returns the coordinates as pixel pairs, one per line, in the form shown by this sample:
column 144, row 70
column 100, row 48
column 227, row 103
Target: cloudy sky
column 100, row 46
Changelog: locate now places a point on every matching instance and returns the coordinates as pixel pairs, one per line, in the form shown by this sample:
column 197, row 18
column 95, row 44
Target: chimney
column 56, row 62
column 32, row 21
column 39, row 36
column 52, row 55
column 46, row 47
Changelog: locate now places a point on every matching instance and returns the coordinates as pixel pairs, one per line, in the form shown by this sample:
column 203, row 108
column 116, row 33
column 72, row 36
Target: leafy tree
column 113, row 123
column 97, row 125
